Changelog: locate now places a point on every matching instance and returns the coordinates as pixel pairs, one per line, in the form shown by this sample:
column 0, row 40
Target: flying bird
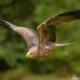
column 42, row 42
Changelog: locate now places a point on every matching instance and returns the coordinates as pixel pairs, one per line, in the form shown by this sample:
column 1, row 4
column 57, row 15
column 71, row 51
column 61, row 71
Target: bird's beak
column 28, row 55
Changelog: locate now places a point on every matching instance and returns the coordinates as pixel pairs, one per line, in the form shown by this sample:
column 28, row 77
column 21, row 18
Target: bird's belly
column 48, row 48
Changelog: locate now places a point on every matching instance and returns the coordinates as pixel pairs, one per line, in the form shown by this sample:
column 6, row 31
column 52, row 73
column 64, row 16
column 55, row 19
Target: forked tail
column 64, row 44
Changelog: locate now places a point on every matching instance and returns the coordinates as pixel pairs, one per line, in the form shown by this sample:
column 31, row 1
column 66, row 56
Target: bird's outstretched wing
column 47, row 30
column 29, row 35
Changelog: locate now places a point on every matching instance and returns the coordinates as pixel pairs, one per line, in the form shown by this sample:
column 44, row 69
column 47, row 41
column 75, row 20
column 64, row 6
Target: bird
column 42, row 42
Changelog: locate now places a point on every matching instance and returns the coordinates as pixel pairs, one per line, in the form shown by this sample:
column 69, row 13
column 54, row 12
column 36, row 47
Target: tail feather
column 64, row 44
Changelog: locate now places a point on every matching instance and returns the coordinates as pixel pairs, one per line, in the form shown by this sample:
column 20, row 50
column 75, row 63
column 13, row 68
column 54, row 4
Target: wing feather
column 29, row 35
column 47, row 30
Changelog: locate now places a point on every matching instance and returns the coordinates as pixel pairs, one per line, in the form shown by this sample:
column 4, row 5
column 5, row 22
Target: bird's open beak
column 28, row 55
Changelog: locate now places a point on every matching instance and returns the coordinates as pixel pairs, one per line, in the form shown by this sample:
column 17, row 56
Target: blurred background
column 62, row 64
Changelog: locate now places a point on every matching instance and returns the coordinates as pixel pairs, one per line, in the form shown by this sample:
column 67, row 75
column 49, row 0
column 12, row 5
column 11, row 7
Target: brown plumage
column 42, row 43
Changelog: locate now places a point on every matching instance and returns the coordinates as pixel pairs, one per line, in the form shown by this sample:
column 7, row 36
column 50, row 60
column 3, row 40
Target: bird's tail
column 64, row 44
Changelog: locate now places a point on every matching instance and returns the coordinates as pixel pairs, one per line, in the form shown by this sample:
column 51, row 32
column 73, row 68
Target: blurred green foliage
column 30, row 13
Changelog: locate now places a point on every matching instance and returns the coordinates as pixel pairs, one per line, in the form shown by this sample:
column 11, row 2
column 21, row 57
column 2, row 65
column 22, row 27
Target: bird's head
column 32, row 53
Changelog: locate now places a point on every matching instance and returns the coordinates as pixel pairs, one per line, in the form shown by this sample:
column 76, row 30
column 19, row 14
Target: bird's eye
column 30, row 53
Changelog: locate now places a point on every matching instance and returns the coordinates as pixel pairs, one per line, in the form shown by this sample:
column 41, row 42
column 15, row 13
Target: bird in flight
column 42, row 42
